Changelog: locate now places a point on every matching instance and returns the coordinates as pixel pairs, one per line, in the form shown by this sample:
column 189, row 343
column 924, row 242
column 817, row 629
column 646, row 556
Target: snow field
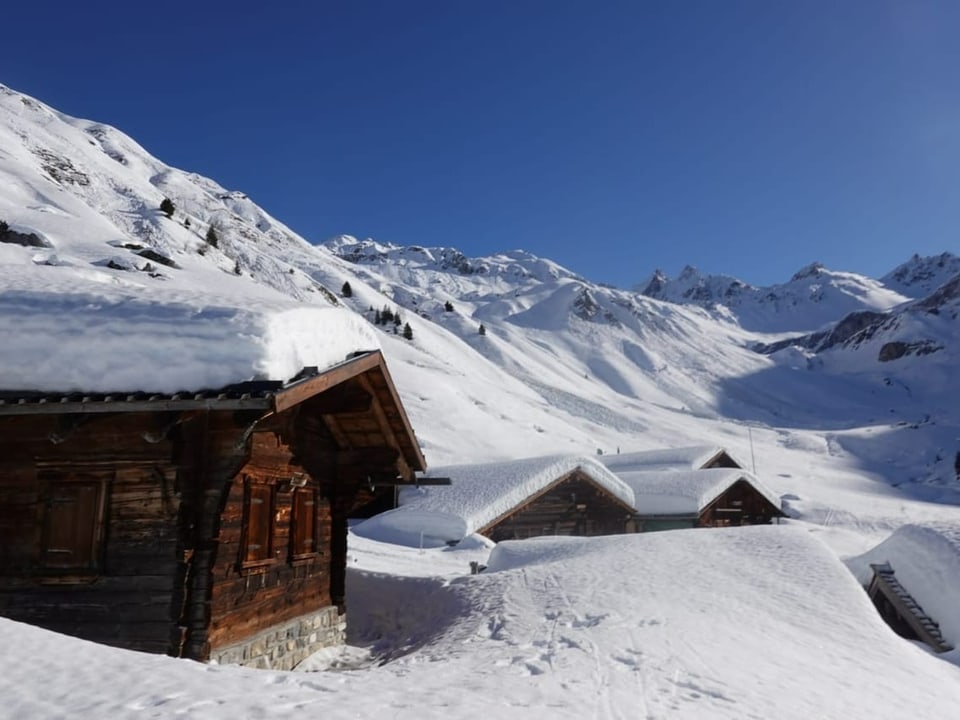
column 741, row 623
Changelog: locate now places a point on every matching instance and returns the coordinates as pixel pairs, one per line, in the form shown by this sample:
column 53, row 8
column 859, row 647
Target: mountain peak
column 920, row 276
column 814, row 269
column 688, row 273
column 655, row 285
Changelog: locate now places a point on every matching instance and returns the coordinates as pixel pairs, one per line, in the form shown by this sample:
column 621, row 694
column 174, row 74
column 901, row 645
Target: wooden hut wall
column 272, row 556
column 88, row 526
column 573, row 506
column 740, row 504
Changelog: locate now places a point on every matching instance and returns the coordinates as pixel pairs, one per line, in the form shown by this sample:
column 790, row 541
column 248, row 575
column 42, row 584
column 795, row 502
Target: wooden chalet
column 551, row 495
column 573, row 504
column 209, row 525
column 714, row 497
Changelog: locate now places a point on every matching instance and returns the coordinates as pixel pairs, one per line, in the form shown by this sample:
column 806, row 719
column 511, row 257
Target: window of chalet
column 258, row 510
column 303, row 524
column 72, row 526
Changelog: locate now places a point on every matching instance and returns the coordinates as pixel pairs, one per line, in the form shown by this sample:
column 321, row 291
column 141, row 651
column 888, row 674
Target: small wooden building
column 552, row 495
column 901, row 611
column 715, row 497
column 208, row 525
column 573, row 504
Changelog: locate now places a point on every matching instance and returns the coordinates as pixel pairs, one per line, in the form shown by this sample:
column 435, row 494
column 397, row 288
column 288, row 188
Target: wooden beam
column 377, row 409
column 356, row 368
column 417, row 461
column 306, row 389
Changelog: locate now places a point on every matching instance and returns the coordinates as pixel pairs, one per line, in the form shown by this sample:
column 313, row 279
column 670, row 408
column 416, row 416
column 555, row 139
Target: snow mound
column 413, row 528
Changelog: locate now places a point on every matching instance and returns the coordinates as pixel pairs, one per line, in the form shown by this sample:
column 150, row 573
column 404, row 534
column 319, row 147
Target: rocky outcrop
column 897, row 349
column 12, row 237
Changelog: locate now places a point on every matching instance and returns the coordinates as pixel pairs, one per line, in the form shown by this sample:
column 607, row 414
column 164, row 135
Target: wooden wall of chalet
column 255, row 588
column 740, row 504
column 115, row 585
column 236, row 594
column 574, row 505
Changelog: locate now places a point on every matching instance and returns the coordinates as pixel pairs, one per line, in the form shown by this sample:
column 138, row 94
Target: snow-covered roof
column 686, row 492
column 926, row 560
column 478, row 495
column 103, row 337
column 683, row 458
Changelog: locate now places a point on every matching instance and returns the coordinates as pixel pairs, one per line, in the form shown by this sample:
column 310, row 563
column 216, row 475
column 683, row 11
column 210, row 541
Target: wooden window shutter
column 303, row 534
column 71, row 526
column 258, row 523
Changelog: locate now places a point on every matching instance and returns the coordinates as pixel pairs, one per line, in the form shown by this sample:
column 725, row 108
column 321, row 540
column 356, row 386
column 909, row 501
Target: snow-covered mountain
column 920, row 276
column 512, row 355
column 815, row 296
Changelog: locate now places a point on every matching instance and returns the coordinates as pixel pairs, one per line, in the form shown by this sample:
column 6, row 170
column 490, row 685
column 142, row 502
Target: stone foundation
column 284, row 646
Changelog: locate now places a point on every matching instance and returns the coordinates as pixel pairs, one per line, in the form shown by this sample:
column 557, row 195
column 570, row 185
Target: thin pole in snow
column 753, row 458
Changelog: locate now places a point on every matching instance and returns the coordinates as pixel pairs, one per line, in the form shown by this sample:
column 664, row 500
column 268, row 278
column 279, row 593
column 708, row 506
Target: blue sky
column 747, row 138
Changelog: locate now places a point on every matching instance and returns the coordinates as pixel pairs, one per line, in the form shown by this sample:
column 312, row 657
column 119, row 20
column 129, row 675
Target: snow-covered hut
column 913, row 579
column 715, row 497
column 551, row 495
column 206, row 525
